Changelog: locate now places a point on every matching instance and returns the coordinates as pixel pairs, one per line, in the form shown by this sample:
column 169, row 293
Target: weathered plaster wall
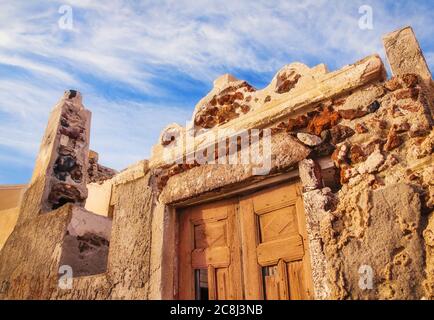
column 387, row 153
column 130, row 246
column 29, row 259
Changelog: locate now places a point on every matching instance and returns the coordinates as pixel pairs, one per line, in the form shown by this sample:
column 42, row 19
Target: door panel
column 275, row 253
column 209, row 240
column 266, row 229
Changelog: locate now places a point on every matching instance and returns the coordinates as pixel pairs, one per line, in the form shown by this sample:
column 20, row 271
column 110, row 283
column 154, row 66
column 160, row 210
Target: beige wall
column 10, row 199
column 10, row 196
column 98, row 200
column 8, row 219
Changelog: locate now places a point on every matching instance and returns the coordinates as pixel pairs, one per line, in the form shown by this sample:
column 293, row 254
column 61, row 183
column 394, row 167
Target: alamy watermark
column 66, row 21
column 220, row 146
column 66, row 277
column 366, row 21
column 366, row 277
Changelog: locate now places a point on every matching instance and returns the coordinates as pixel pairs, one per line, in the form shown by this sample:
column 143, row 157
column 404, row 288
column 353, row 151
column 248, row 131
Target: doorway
column 248, row 247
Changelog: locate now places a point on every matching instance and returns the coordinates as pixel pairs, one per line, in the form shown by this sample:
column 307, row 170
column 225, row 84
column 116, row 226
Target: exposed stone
column 298, row 123
column 339, row 156
column 310, row 174
column 379, row 124
column 96, row 172
column 393, row 140
column 373, row 107
column 410, row 80
column 401, row 127
column 351, row 114
column 317, row 203
column 326, row 119
column 339, row 133
column 347, row 173
column 326, row 136
column 356, row 154
column 225, row 102
column 418, row 130
column 393, row 84
column 407, row 93
column 361, row 128
column 372, row 163
column 373, row 145
column 85, row 246
column 322, row 150
column 407, row 80
column 62, row 193
column 286, row 80
column 391, row 160
column 60, row 170
column 309, row 139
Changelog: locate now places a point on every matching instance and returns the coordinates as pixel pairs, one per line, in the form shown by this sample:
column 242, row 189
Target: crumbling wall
column 53, row 229
column 96, row 172
column 387, row 152
column 59, row 175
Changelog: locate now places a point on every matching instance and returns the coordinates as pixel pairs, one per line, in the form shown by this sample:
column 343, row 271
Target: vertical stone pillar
column 405, row 56
column 317, row 203
column 404, row 53
column 59, row 175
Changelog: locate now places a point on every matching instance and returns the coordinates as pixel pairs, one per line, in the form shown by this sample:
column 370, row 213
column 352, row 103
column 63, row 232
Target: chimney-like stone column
column 60, row 173
column 405, row 56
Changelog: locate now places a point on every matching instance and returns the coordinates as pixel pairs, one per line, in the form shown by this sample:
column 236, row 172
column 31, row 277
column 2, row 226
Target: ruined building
column 337, row 204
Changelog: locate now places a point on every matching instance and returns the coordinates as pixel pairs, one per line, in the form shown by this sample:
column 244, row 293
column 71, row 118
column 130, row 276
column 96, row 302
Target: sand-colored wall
column 98, row 200
column 10, row 199
column 10, row 196
column 8, row 219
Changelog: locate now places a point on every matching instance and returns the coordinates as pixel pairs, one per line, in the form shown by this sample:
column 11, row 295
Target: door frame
column 244, row 191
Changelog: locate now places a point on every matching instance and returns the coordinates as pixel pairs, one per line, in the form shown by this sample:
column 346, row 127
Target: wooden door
column 266, row 229
column 275, row 253
column 210, row 252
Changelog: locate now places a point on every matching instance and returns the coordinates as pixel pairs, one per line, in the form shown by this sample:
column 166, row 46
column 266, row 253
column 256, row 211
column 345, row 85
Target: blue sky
column 141, row 65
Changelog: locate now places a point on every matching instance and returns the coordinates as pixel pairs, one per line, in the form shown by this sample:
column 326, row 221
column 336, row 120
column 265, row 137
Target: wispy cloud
column 143, row 64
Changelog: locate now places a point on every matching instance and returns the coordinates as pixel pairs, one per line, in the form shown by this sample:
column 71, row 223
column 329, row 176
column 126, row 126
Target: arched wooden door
column 254, row 247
